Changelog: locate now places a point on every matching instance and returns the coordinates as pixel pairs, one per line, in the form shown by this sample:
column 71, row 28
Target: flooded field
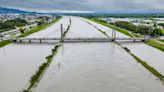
column 96, row 67
column 145, row 52
column 18, row 62
column 152, row 56
column 79, row 67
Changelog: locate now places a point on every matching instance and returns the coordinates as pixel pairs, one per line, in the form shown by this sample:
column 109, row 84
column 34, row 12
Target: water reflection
column 96, row 67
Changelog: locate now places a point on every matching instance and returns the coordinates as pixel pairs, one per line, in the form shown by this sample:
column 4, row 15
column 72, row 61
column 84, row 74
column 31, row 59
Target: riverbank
column 155, row 44
column 4, row 42
column 33, row 30
column 143, row 63
column 42, row 68
column 152, row 43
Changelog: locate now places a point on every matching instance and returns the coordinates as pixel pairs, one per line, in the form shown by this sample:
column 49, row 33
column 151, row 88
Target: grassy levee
column 33, row 30
column 39, row 73
column 39, row 28
column 98, row 29
column 161, row 41
column 155, row 44
column 143, row 63
column 42, row 69
column 151, row 69
column 4, row 43
column 124, row 31
column 150, row 42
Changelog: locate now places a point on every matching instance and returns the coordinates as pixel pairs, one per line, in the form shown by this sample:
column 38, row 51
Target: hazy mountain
column 12, row 11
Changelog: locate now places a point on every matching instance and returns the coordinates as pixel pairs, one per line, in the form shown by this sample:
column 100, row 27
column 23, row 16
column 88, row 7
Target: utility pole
column 61, row 33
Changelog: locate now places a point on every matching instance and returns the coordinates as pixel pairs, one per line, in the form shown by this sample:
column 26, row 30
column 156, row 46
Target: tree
column 21, row 30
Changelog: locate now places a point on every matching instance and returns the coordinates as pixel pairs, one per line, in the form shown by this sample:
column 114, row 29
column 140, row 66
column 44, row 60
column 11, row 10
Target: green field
column 124, row 31
column 152, row 43
column 33, row 30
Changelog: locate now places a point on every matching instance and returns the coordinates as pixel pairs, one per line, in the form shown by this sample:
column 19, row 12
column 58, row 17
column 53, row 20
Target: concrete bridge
column 62, row 39
column 29, row 40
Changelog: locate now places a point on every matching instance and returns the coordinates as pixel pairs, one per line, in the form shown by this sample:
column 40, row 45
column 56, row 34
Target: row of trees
column 142, row 29
column 11, row 24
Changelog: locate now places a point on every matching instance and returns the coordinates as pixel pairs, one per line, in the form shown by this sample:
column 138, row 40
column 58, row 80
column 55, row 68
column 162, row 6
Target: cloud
column 85, row 5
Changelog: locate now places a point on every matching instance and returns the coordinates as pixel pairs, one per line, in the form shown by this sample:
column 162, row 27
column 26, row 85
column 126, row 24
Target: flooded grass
column 68, row 28
column 4, row 43
column 39, row 28
column 162, row 41
column 155, row 44
column 151, row 69
column 124, row 31
column 42, row 68
column 144, row 64
column 152, row 43
column 33, row 30
column 98, row 29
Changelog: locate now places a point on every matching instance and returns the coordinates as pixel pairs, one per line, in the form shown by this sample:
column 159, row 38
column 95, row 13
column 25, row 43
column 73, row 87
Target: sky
column 85, row 5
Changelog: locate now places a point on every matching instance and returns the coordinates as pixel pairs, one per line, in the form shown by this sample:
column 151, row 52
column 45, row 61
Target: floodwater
column 95, row 67
column 18, row 62
column 78, row 67
column 151, row 55
column 106, row 29
column 81, row 29
column 53, row 31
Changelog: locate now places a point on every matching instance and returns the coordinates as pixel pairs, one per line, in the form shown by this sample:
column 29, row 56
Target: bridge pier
column 29, row 41
column 61, row 39
column 20, row 41
column 40, row 41
column 134, row 40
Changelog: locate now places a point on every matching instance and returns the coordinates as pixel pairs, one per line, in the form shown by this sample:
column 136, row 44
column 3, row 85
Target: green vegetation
column 124, row 31
column 151, row 69
column 37, row 76
column 98, row 29
column 11, row 24
column 150, row 42
column 39, row 28
column 141, row 29
column 4, row 42
column 33, row 30
column 162, row 32
column 155, row 44
column 65, row 33
column 139, row 15
column 144, row 64
column 162, row 41
column 68, row 28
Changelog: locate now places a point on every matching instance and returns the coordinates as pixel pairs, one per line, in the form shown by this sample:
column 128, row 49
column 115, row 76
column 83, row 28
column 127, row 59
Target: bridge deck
column 76, row 39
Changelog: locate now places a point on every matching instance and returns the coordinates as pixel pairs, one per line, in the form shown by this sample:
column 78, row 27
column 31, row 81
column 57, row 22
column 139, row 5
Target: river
column 18, row 62
column 95, row 67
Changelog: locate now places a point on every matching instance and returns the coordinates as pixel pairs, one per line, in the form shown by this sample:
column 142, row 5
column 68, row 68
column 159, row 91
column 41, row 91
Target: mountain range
column 13, row 11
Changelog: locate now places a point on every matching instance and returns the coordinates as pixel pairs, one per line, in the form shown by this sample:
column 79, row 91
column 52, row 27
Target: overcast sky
column 85, row 5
